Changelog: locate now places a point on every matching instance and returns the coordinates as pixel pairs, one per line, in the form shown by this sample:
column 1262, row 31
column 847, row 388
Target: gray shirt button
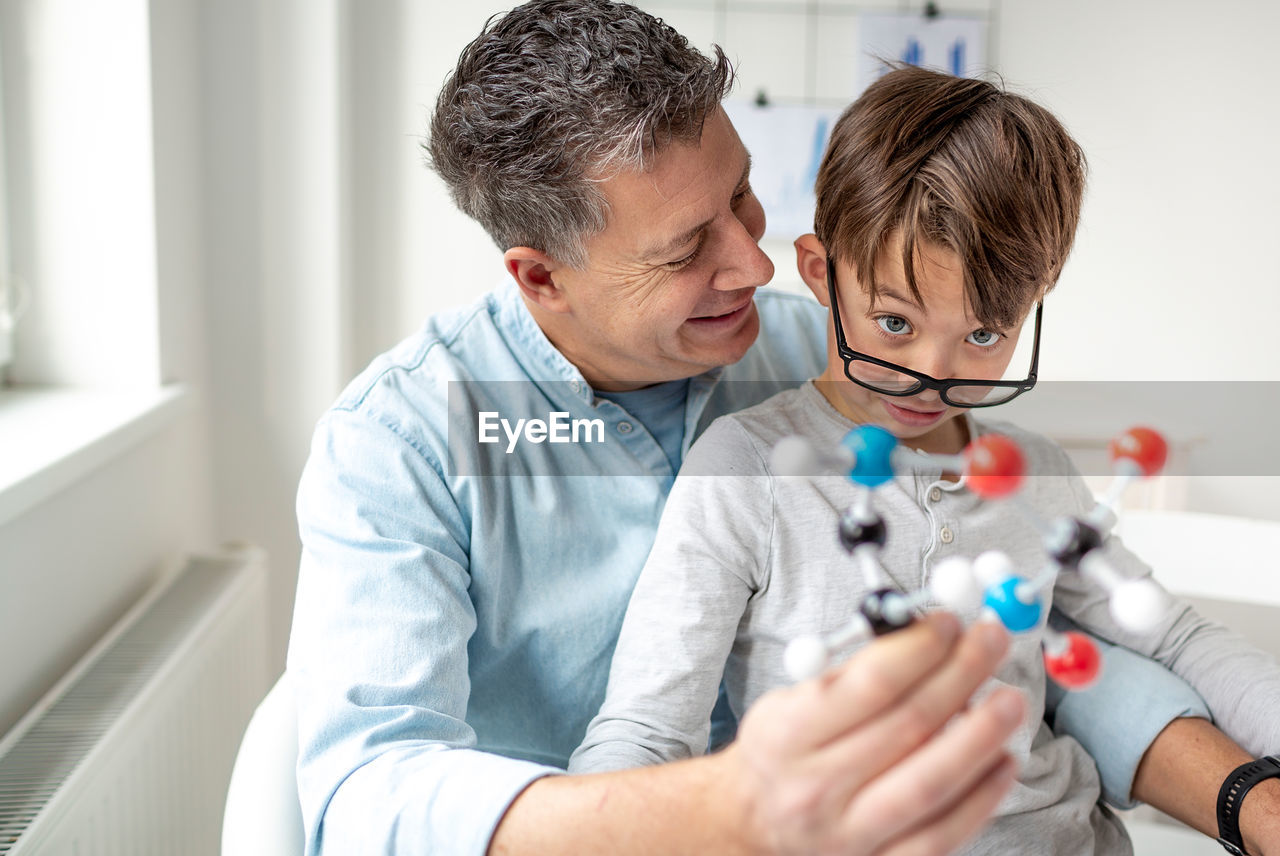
column 935, row 494
column 624, row 427
column 947, row 535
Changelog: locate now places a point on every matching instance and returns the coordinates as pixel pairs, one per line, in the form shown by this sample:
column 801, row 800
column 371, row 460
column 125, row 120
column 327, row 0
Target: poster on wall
column 786, row 142
column 956, row 44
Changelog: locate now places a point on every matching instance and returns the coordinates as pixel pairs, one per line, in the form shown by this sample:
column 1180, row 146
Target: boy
column 946, row 209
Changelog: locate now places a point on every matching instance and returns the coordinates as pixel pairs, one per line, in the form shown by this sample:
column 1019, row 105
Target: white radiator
column 130, row 753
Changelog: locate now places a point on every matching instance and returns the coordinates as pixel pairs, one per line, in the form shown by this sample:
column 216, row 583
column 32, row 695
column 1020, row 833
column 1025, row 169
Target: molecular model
column 993, row 467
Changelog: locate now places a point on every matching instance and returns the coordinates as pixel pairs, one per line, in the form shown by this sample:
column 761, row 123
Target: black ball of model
column 1070, row 540
column 883, row 614
column 857, row 530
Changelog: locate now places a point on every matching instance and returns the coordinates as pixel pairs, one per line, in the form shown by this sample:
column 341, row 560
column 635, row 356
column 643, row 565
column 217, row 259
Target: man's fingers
column 960, row 822
column 942, row 772
column 882, row 750
column 922, row 710
column 842, row 767
column 874, row 679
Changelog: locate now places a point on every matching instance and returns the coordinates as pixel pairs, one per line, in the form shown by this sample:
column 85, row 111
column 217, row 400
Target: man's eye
column 895, row 325
column 687, row 260
column 984, row 338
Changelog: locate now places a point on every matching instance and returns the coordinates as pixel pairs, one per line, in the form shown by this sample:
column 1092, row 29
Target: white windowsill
column 51, row 437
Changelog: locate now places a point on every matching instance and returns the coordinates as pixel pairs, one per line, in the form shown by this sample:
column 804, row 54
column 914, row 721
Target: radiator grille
column 132, row 752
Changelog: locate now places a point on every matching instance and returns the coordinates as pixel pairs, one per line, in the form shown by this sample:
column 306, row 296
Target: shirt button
column 576, row 386
column 624, row 427
column 935, row 494
column 947, row 535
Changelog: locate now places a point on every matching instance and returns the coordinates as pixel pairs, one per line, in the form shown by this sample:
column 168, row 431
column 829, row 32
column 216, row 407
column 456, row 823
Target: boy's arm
column 1239, row 683
column 680, row 625
column 856, row 761
column 711, row 554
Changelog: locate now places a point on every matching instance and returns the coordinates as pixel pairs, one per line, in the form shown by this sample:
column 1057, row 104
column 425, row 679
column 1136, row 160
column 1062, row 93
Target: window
column 9, row 303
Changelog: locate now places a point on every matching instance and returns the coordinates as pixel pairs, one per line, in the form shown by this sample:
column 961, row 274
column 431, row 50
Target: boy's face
column 939, row 338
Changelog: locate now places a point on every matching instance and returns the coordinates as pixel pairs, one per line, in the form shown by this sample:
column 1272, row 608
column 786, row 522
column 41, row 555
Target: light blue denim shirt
column 458, row 603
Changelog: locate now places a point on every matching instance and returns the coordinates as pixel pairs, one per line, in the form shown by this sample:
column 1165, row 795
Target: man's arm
column 856, row 760
column 1181, row 773
column 378, row 655
column 1118, row 718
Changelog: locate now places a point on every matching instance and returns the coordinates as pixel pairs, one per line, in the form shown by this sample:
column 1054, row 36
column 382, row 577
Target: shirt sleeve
column 378, row 653
column 1239, row 682
column 683, row 616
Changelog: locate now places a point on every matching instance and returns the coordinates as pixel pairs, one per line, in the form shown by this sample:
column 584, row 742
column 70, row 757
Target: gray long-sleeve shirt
column 746, row 561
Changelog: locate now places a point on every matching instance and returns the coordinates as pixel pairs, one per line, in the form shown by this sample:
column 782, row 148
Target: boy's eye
column 894, row 324
column 983, row 338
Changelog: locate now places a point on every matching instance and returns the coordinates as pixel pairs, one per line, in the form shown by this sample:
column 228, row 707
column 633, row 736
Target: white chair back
column 262, row 816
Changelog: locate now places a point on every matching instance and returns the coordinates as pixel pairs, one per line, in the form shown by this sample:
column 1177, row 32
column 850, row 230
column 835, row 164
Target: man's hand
column 854, row 762
column 858, row 761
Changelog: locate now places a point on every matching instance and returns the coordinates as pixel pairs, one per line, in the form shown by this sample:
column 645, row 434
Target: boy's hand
column 857, row 761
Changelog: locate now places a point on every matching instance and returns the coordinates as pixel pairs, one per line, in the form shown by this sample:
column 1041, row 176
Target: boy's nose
column 933, row 363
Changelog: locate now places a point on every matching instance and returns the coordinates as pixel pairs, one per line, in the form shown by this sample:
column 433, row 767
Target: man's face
column 940, row 338
column 667, row 291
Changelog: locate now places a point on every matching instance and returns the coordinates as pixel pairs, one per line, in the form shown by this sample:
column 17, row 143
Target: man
column 459, row 598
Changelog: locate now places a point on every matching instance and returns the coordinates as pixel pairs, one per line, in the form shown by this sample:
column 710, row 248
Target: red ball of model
column 1143, row 446
column 1076, row 665
column 994, row 466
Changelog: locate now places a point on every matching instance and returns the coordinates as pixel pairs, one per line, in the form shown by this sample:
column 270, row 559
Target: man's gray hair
column 555, row 96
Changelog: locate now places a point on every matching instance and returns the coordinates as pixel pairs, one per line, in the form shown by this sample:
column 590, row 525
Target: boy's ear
column 811, row 262
column 534, row 271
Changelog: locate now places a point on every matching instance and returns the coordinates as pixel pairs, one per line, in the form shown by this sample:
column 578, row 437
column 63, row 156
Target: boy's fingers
column 941, row 772
column 960, row 822
column 874, row 679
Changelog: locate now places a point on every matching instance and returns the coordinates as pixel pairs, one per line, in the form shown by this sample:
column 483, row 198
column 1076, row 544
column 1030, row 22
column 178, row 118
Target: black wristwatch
column 1232, row 794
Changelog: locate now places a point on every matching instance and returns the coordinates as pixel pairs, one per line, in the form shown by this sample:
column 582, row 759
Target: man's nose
column 744, row 264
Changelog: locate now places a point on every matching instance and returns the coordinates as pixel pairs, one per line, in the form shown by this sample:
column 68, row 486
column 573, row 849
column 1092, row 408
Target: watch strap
column 1232, row 794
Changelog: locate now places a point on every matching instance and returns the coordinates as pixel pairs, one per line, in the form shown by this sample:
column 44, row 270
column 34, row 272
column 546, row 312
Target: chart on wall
column 956, row 44
column 786, row 142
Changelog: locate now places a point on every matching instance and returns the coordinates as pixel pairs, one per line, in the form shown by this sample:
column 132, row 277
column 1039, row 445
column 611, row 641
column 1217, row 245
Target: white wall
column 1172, row 278
column 1175, row 105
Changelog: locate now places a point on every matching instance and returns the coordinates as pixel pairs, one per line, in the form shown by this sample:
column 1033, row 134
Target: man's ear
column 534, row 271
column 811, row 262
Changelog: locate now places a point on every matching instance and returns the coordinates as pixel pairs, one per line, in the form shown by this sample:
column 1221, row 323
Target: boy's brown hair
column 959, row 163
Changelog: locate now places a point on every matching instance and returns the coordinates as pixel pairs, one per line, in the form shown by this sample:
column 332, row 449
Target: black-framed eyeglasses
column 889, row 378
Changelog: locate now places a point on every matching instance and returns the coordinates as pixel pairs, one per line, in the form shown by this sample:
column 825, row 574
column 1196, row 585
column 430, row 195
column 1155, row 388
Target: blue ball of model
column 1015, row 613
column 872, row 448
